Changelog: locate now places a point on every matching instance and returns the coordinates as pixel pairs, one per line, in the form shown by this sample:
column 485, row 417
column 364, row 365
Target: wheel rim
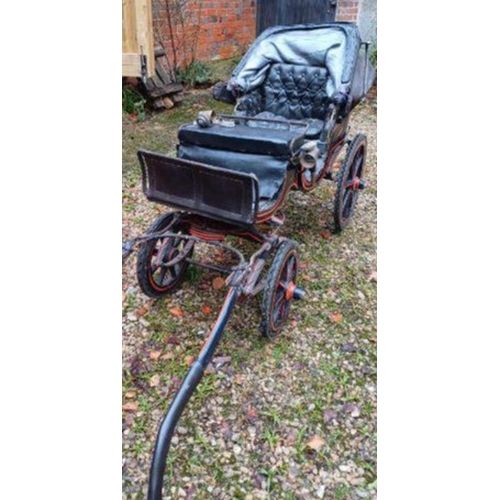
column 281, row 300
column 163, row 276
column 352, row 183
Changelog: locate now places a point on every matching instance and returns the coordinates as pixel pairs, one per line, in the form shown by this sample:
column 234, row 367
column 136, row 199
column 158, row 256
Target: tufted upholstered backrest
column 295, row 91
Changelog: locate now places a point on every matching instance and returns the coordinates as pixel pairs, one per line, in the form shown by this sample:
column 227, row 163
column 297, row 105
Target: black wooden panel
column 286, row 12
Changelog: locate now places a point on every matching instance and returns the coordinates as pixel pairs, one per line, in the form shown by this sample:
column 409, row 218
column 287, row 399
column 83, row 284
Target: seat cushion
column 244, row 139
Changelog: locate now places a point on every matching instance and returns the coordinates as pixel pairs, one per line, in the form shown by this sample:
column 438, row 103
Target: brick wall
column 347, row 10
column 205, row 30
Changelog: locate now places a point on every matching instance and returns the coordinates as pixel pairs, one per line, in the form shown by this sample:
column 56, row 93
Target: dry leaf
column 132, row 406
column 209, row 369
column 154, row 355
column 335, row 317
column 154, row 381
column 129, row 419
column 206, row 309
column 173, row 341
column 373, row 276
column 291, row 438
column 177, row 312
column 218, row 283
column 219, row 255
column 252, row 414
column 238, row 379
column 142, row 311
column 316, row 443
column 189, row 360
column 326, row 234
column 130, row 394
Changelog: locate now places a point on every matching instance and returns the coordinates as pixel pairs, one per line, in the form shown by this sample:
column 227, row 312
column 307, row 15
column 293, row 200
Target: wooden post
column 137, row 37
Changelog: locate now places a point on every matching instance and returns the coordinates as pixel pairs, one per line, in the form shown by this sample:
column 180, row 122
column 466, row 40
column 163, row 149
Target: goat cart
column 293, row 93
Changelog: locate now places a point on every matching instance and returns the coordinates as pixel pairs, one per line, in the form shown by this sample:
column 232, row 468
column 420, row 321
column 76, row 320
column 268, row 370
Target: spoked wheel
column 349, row 182
column 279, row 289
column 161, row 262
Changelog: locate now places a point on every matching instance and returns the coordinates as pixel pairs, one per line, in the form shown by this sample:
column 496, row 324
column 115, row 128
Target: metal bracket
column 144, row 67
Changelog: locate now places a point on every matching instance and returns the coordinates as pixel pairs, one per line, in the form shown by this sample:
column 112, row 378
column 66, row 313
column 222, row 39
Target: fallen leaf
column 130, row 394
column 132, row 406
column 124, row 296
column 190, row 493
column 129, row 419
column 326, row 234
column 316, row 443
column 173, row 341
column 373, row 339
column 177, row 312
column 154, row 355
column 189, row 360
column 154, row 381
column 252, row 414
column 218, row 283
column 219, row 255
column 206, row 309
column 335, row 317
column 141, row 311
column 238, row 379
column 302, row 266
column 373, row 276
column 291, row 438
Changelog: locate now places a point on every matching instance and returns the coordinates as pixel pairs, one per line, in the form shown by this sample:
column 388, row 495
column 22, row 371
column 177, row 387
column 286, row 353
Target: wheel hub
column 356, row 184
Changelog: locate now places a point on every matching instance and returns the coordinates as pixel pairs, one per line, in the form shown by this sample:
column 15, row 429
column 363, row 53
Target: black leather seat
column 244, row 139
column 289, row 92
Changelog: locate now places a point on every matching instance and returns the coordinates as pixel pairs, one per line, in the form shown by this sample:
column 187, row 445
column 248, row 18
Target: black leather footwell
column 270, row 170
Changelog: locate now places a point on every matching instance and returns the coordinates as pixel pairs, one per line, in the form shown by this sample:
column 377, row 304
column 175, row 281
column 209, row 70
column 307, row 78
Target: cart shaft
column 188, row 386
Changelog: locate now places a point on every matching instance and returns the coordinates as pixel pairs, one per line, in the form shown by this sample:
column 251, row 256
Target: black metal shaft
column 188, row 386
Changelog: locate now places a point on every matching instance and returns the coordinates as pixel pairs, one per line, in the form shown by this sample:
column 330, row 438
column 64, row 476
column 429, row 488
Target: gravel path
column 295, row 418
